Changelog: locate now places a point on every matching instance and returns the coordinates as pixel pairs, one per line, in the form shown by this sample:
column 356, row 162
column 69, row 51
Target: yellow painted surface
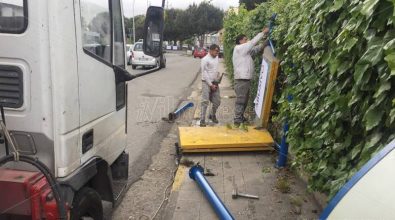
column 268, row 99
column 212, row 139
column 269, row 93
column 227, row 149
column 179, row 178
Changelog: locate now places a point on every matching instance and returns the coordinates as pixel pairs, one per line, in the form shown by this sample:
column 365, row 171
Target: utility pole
column 134, row 29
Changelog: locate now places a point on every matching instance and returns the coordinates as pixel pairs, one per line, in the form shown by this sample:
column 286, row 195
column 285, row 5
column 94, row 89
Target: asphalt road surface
column 150, row 98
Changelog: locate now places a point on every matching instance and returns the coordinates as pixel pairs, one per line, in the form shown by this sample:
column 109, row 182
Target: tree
column 187, row 22
column 139, row 26
column 251, row 4
column 206, row 18
column 181, row 25
column 172, row 31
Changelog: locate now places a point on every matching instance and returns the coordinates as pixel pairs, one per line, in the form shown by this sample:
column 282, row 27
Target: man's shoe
column 213, row 118
column 202, row 123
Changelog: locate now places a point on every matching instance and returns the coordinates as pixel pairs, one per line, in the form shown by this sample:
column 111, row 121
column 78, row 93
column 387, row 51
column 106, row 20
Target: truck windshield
column 13, row 16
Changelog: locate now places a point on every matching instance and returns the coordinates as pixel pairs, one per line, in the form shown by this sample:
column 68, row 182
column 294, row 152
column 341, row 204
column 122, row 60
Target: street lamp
column 134, row 29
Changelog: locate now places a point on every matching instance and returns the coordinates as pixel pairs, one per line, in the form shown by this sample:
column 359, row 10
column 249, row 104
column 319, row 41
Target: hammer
column 236, row 194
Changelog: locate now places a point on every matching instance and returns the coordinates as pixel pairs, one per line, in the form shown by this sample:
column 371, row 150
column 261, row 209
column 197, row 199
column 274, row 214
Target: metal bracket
column 10, row 140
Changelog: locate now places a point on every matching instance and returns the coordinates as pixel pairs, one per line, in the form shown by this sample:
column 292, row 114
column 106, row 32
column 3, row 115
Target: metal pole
column 271, row 26
column 134, row 29
column 196, row 173
column 178, row 112
column 283, row 151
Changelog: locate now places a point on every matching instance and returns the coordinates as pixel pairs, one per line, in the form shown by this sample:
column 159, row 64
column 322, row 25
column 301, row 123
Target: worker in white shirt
column 243, row 66
column 210, row 80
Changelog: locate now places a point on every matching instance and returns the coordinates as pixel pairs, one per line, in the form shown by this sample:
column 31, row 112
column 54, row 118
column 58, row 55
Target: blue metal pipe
column 283, row 151
column 196, row 173
column 178, row 112
column 283, row 154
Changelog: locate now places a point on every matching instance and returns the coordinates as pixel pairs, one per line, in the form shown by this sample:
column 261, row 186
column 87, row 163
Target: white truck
column 63, row 93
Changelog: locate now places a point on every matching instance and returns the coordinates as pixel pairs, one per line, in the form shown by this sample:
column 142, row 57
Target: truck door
column 102, row 98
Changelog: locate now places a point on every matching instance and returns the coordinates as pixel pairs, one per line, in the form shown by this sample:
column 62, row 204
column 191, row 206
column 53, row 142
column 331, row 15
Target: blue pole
column 283, row 154
column 178, row 112
column 196, row 173
column 283, row 151
column 271, row 26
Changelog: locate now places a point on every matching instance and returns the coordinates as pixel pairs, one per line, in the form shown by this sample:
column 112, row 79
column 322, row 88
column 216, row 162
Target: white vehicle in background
column 138, row 58
column 129, row 48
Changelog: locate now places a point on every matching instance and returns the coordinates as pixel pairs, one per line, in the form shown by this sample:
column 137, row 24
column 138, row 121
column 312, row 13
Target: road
column 150, row 98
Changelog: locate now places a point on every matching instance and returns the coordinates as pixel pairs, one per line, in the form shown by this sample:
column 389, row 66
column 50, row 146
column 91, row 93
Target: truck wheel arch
column 95, row 174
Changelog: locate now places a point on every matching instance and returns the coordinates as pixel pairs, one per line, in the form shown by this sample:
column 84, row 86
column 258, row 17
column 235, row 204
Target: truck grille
column 11, row 87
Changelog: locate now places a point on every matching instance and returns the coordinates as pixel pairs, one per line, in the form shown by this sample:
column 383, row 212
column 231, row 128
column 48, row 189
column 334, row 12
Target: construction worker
column 243, row 66
column 210, row 89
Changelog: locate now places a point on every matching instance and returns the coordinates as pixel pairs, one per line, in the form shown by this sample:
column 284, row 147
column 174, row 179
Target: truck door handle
column 87, row 141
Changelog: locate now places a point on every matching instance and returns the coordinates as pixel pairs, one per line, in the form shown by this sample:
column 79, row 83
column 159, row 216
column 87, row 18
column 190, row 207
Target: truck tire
column 87, row 203
column 163, row 63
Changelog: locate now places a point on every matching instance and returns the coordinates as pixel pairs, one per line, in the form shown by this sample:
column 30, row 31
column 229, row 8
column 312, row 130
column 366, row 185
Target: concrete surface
column 281, row 194
column 165, row 191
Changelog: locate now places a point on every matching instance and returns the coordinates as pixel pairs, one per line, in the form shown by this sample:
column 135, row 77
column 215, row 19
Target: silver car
column 138, row 58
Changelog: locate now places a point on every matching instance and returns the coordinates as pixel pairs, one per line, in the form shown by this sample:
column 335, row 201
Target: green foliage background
column 338, row 63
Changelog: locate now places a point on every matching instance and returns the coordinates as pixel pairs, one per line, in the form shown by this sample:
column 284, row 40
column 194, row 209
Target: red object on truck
column 26, row 194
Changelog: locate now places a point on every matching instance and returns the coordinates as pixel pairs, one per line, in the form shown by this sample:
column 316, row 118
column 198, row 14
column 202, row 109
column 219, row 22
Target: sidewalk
column 281, row 194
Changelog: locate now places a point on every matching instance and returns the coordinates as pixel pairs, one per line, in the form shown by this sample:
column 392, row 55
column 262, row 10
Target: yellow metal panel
column 268, row 99
column 227, row 149
column 210, row 139
column 269, row 93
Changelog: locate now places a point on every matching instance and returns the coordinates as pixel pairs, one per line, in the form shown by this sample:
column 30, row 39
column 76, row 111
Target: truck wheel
column 134, row 67
column 87, row 203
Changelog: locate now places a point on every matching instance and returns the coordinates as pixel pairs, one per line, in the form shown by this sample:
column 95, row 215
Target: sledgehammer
column 236, row 194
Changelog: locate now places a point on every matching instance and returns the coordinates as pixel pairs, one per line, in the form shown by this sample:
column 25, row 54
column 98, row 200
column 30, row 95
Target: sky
column 140, row 6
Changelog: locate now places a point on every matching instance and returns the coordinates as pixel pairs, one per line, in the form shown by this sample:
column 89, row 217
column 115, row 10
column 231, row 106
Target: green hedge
column 338, row 61
column 243, row 22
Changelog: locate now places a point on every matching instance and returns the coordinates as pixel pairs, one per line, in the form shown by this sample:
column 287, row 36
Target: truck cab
column 64, row 93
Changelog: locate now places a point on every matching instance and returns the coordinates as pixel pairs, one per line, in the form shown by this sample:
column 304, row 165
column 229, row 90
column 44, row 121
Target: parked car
column 199, row 52
column 129, row 48
column 138, row 58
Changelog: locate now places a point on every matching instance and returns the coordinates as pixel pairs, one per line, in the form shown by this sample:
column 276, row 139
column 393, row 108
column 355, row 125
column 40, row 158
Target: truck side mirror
column 153, row 31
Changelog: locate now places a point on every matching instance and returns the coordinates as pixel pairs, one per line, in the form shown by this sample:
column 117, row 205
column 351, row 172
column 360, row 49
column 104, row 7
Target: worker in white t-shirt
column 210, row 81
